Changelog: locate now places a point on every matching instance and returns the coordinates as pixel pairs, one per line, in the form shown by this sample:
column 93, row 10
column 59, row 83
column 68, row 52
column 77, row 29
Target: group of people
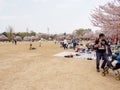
column 72, row 44
column 102, row 47
column 104, row 51
column 33, row 48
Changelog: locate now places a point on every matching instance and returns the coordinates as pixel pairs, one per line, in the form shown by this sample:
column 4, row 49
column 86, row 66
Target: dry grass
column 22, row 69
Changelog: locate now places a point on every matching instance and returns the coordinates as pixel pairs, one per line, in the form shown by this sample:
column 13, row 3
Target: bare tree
column 10, row 33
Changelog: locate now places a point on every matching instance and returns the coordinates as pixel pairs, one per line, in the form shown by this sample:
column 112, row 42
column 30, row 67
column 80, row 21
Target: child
column 31, row 48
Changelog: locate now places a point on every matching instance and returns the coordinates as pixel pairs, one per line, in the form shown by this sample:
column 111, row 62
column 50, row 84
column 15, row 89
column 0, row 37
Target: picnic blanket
column 81, row 55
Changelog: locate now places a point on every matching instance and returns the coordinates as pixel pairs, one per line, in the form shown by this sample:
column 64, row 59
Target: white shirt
column 65, row 41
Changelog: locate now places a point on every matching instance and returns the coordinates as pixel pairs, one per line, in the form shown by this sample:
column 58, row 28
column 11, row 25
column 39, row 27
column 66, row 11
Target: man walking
column 74, row 41
column 101, row 47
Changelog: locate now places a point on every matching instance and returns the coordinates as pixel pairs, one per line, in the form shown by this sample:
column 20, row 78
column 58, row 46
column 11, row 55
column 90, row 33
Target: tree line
column 78, row 33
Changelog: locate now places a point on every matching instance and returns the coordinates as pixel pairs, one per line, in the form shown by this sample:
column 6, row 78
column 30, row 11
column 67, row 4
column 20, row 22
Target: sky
column 59, row 16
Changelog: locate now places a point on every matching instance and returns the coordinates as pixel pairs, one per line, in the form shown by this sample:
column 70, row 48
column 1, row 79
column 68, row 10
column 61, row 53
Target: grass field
column 24, row 69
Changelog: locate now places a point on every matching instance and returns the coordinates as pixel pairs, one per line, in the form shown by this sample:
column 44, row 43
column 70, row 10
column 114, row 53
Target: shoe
column 98, row 70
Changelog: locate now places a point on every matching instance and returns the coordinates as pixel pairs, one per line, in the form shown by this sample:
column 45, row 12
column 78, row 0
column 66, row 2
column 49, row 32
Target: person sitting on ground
column 80, row 48
column 70, row 46
column 31, row 48
column 117, row 65
column 88, row 47
column 118, row 50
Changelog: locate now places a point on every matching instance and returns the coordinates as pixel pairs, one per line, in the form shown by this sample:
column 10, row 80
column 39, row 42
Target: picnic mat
column 82, row 55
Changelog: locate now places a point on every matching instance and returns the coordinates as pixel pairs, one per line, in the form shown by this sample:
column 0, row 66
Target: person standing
column 101, row 47
column 74, row 41
column 65, row 43
column 40, row 42
column 15, row 42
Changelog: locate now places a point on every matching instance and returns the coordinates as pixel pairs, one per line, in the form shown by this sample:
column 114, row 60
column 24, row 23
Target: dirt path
column 21, row 69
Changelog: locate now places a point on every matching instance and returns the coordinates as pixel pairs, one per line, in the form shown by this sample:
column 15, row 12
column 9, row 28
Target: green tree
column 79, row 32
column 32, row 33
column 22, row 34
column 5, row 33
column 53, row 36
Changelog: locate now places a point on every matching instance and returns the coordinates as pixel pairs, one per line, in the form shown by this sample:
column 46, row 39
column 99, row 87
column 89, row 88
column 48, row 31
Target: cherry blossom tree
column 107, row 18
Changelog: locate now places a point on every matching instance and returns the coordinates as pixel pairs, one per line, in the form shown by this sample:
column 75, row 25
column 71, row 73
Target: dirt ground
column 22, row 69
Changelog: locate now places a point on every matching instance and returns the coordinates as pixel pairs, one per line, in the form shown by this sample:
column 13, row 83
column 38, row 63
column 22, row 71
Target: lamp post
column 27, row 33
column 48, row 29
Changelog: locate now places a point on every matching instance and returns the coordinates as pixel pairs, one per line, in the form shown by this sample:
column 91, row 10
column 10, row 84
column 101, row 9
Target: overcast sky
column 37, row 15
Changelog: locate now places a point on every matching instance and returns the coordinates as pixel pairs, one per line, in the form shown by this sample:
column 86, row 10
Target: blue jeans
column 100, row 56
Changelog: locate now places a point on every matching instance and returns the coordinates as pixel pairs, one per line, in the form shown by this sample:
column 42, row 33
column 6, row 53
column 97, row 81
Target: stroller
column 113, row 64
